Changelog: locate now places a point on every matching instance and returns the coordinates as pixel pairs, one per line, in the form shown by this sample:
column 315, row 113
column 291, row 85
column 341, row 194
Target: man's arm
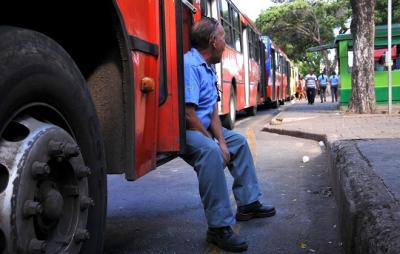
column 192, row 121
column 216, row 131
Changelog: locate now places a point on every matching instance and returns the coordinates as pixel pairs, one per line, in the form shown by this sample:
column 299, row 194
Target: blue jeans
column 205, row 156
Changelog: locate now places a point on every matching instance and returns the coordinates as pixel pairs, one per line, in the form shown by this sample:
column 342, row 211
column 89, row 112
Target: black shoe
column 254, row 210
column 226, row 239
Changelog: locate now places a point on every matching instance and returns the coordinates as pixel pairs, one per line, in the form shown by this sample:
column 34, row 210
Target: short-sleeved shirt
column 323, row 80
column 311, row 80
column 397, row 63
column 334, row 79
column 200, row 90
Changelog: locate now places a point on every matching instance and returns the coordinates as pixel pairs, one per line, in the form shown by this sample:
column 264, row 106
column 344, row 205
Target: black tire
column 275, row 104
column 38, row 78
column 268, row 103
column 251, row 111
column 228, row 120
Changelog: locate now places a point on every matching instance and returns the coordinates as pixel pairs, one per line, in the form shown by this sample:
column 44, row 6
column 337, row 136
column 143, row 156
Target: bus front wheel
column 52, row 165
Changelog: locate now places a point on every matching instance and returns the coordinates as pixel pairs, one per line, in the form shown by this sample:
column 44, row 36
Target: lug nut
column 37, row 246
column 63, row 150
column 32, row 208
column 82, row 171
column 86, row 202
column 40, row 169
column 81, row 235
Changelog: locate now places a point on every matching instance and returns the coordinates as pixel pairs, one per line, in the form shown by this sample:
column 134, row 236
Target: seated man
column 210, row 147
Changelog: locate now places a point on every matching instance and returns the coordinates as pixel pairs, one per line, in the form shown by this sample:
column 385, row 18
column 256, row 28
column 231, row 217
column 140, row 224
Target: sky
column 252, row 8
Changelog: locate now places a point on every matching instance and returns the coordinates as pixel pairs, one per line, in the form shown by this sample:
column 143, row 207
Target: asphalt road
column 162, row 211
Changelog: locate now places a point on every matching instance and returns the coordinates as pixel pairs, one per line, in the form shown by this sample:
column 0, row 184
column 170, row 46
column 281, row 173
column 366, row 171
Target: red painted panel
column 168, row 115
column 141, row 20
column 240, row 96
column 233, row 69
column 284, row 87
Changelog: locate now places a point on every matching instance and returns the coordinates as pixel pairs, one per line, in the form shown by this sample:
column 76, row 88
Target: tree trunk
column 363, row 30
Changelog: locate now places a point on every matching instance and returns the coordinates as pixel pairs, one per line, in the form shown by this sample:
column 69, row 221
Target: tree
column 363, row 31
column 298, row 25
column 311, row 61
column 381, row 12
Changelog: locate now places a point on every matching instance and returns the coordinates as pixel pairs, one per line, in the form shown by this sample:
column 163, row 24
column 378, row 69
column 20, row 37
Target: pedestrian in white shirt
column 311, row 86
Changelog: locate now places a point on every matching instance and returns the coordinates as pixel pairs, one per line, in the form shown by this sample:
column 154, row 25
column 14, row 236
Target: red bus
column 89, row 88
column 239, row 71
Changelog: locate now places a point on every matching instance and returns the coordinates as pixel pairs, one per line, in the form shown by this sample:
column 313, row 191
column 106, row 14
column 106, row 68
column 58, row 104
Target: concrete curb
column 369, row 215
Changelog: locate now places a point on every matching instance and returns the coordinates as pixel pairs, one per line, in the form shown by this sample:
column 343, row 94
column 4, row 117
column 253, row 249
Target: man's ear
column 212, row 41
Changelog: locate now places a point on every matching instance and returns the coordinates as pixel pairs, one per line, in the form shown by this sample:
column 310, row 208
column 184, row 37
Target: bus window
column 224, row 10
column 225, row 21
column 254, row 45
column 231, row 22
column 228, row 34
column 204, row 10
column 236, row 30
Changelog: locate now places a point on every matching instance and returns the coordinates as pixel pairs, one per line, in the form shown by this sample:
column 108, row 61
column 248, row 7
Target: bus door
column 157, row 117
column 142, row 20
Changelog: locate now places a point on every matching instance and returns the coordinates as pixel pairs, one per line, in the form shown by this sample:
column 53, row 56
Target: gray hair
column 202, row 32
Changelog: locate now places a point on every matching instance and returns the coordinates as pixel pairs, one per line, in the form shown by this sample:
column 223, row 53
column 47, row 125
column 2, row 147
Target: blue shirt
column 397, row 63
column 334, row 80
column 322, row 80
column 200, row 87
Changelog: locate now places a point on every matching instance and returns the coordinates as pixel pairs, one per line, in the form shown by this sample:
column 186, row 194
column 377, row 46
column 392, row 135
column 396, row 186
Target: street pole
column 389, row 56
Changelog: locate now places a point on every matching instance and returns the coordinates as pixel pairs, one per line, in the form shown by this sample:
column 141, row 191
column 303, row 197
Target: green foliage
column 297, row 25
column 311, row 61
column 381, row 12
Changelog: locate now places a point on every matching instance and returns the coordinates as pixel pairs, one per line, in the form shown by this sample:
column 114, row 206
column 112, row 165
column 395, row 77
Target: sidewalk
column 365, row 169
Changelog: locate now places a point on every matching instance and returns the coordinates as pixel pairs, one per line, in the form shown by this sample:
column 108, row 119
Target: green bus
column 344, row 44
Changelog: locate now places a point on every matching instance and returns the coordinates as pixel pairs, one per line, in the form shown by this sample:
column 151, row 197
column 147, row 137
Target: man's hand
column 225, row 153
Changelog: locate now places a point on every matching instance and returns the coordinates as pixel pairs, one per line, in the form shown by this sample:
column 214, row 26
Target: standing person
column 311, row 85
column 322, row 83
column 298, row 88
column 210, row 147
column 397, row 63
column 334, row 82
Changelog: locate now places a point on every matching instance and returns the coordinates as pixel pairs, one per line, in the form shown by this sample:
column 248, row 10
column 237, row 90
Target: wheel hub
column 52, row 201
column 47, row 190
